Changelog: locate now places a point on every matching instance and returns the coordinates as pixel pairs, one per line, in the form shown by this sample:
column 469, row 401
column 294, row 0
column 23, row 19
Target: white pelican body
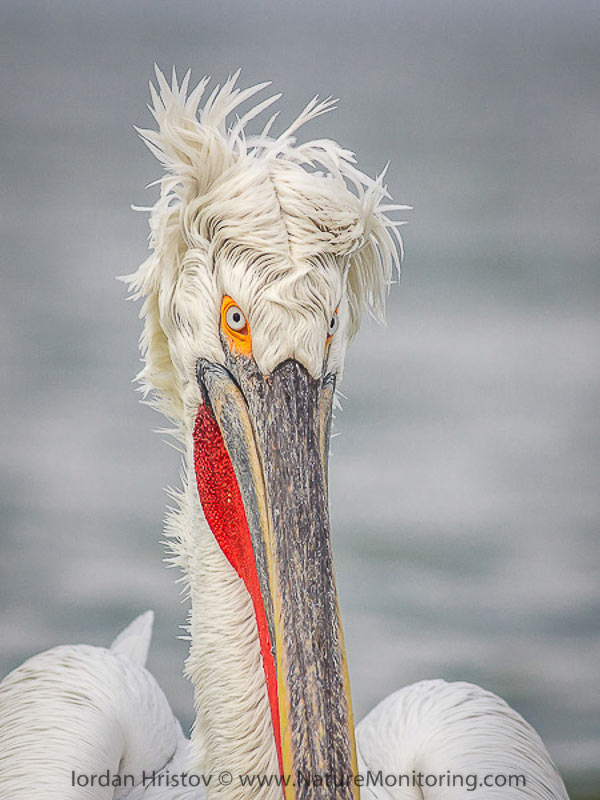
column 452, row 740
column 264, row 255
column 88, row 722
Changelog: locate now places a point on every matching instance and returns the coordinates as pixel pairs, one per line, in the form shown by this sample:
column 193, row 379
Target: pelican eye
column 235, row 319
column 235, row 327
column 334, row 323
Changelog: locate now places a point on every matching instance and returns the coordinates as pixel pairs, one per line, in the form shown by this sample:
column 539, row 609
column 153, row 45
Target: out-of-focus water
column 464, row 481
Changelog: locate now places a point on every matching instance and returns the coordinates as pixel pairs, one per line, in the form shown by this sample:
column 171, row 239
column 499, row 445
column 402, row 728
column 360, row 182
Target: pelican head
column 265, row 254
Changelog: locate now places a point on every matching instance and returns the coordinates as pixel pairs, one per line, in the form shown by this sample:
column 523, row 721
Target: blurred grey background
column 464, row 484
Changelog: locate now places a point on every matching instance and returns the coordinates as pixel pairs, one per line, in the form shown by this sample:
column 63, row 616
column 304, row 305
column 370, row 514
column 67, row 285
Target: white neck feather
column 233, row 729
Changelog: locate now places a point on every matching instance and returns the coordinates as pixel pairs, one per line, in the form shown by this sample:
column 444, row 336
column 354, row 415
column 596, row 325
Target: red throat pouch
column 224, row 511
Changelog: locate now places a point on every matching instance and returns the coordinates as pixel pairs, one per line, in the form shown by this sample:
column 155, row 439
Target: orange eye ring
column 235, row 327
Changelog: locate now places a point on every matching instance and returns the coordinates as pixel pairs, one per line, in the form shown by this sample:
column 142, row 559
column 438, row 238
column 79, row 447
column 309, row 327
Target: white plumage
column 296, row 234
column 87, row 710
column 459, row 734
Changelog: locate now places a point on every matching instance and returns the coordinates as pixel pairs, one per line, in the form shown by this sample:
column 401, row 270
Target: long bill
column 261, row 445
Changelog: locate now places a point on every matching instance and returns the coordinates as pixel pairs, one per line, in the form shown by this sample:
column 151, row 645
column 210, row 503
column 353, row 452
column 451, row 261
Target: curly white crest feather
column 298, row 217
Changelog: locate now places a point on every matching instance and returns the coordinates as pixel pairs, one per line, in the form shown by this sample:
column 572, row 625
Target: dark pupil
column 236, row 317
column 332, row 323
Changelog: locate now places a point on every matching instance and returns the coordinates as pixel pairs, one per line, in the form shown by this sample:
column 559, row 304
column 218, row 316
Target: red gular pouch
column 224, row 511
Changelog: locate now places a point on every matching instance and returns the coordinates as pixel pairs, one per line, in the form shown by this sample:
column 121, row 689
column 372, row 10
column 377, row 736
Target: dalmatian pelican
column 265, row 253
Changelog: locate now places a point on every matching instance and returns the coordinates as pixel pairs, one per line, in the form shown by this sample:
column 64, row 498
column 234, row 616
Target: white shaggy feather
column 291, row 231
